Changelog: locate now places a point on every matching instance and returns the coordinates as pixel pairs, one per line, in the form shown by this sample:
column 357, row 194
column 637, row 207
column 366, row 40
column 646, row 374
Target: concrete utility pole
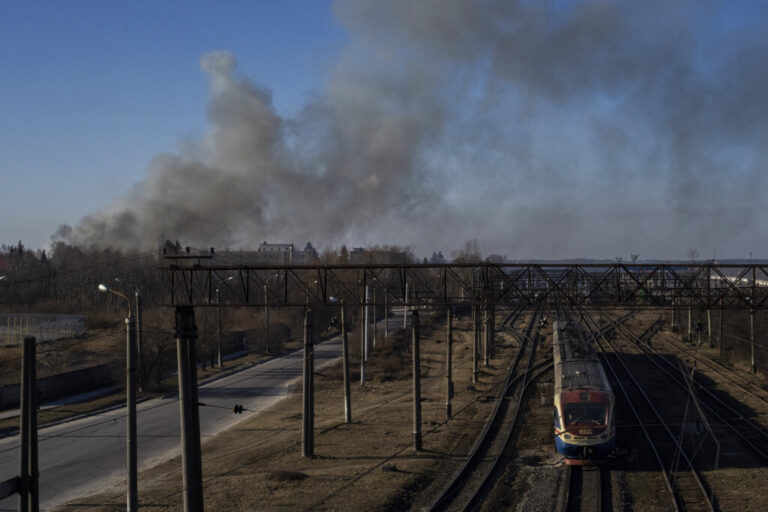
column 405, row 306
column 386, row 312
column 486, row 335
column 492, row 330
column 192, row 472
column 28, row 487
column 690, row 329
column 266, row 320
column 218, row 328
column 130, row 391
column 720, row 334
column 34, row 473
column 365, row 321
column 24, row 408
column 752, row 364
column 139, row 335
column 362, row 344
column 448, row 364
column 374, row 318
column 308, row 390
column 416, row 381
column 674, row 313
column 345, row 364
column 475, row 343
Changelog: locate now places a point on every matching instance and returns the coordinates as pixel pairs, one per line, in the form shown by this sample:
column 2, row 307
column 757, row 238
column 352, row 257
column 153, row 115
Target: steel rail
column 544, row 367
column 719, row 369
column 461, row 476
column 525, row 381
column 671, row 482
column 759, row 429
column 637, row 415
column 580, row 481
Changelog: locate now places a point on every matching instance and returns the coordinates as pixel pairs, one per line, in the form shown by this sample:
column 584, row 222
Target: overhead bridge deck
column 193, row 282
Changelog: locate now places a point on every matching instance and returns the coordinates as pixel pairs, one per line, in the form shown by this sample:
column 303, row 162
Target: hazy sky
column 543, row 129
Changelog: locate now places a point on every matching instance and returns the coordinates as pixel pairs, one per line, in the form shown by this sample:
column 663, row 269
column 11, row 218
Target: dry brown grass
column 366, row 465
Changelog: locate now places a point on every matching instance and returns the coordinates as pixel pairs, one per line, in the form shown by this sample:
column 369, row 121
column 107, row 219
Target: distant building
column 285, row 254
column 437, row 257
column 378, row 256
column 305, row 257
column 357, row 255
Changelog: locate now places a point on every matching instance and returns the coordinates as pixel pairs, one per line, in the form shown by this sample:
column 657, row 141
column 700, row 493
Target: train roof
column 576, row 363
column 569, row 343
column 577, row 375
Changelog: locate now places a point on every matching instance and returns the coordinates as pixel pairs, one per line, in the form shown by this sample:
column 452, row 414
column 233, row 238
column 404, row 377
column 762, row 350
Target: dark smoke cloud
column 544, row 129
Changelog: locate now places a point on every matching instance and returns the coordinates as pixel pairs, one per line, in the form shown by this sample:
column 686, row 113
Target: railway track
column 585, row 489
column 723, row 372
column 475, row 476
column 686, row 488
column 753, row 435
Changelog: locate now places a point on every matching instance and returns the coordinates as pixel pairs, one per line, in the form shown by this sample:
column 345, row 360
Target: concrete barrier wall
column 61, row 385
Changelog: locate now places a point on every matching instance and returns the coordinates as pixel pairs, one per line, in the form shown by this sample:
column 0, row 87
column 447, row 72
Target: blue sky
column 90, row 91
column 550, row 129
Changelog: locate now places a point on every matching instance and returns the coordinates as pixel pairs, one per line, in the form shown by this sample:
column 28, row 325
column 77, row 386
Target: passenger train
column 585, row 432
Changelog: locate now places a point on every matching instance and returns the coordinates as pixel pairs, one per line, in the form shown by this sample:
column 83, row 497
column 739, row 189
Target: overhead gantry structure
column 504, row 285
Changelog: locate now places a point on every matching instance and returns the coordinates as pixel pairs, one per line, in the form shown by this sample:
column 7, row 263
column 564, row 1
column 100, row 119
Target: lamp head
column 103, row 288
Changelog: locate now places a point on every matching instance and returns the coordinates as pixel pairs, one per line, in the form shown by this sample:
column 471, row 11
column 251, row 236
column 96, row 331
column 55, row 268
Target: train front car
column 585, row 432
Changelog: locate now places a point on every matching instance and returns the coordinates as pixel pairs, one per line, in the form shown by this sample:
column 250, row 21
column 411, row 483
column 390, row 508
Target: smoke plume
column 543, row 129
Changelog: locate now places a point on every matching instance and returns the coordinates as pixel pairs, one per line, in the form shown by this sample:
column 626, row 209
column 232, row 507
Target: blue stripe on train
column 575, row 451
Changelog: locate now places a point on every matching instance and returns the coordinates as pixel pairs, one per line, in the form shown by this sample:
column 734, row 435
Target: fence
column 13, row 327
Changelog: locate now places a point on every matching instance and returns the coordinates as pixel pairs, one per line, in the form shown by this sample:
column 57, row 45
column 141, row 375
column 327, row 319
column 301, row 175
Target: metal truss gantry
column 505, row 285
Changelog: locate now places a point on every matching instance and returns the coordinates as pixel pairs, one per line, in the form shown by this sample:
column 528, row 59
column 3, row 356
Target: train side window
column 557, row 419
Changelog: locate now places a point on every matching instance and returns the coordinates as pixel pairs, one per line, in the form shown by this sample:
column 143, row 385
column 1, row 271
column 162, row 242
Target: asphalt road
column 87, row 455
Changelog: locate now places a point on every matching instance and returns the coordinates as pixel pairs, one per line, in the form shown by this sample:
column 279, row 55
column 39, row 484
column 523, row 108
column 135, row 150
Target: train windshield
column 584, row 414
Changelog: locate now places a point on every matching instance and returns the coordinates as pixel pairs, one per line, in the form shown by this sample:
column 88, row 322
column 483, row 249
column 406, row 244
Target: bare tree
column 469, row 253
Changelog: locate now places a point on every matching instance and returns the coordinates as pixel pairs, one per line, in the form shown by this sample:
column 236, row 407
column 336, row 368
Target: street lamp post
column 130, row 399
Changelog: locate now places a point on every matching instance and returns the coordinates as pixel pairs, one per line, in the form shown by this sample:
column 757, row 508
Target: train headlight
column 567, row 436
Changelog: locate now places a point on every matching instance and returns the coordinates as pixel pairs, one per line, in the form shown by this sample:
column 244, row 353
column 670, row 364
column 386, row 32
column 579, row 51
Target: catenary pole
column 405, row 306
column 345, row 362
column 416, row 381
column 130, row 394
column 448, row 363
column 34, row 472
column 386, row 312
column 366, row 320
column 752, row 364
column 186, row 333
column 24, row 414
column 307, row 424
column 475, row 342
column 218, row 327
column 139, row 340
